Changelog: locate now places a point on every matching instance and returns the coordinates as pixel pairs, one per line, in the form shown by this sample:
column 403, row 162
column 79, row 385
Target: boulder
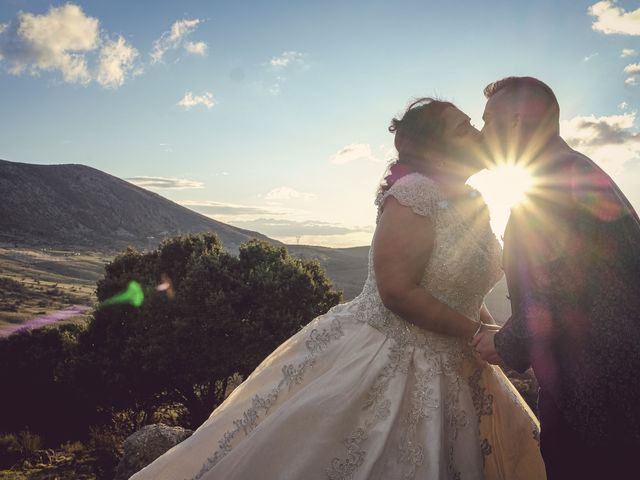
column 144, row 446
column 44, row 457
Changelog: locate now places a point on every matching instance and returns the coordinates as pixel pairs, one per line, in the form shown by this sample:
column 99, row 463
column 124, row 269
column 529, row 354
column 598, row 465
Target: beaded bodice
column 464, row 265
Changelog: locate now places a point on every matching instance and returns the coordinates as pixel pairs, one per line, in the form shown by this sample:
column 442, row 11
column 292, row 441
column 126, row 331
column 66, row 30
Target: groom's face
column 499, row 134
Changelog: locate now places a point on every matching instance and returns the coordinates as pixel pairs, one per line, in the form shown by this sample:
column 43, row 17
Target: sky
column 273, row 115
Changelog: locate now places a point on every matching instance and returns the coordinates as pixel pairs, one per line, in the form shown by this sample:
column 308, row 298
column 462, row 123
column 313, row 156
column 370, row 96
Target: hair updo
column 419, row 130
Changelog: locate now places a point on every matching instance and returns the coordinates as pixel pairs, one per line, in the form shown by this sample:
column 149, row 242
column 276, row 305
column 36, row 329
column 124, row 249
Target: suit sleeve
column 513, row 341
column 549, row 248
column 532, row 247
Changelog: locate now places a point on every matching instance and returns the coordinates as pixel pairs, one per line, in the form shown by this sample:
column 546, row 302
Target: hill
column 346, row 267
column 75, row 206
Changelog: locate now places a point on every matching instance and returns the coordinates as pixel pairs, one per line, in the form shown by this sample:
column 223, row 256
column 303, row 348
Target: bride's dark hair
column 419, row 129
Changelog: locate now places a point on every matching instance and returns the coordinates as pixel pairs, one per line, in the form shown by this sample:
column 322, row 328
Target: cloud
column 190, row 100
column 628, row 52
column 286, row 59
column 55, row 41
column 276, row 87
column 623, row 105
column 350, row 153
column 632, row 68
column 65, row 40
column 589, row 57
column 387, row 152
column 175, row 38
column 284, row 63
column 310, row 232
column 165, row 182
column 116, row 62
column 610, row 140
column 218, row 209
column 284, row 224
column 612, row 19
column 291, row 228
column 196, row 48
column 288, row 193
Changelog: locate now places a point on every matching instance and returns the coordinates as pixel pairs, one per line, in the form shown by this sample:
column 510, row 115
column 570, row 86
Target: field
column 35, row 282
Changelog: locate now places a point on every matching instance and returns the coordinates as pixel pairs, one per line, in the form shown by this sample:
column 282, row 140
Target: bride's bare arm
column 402, row 245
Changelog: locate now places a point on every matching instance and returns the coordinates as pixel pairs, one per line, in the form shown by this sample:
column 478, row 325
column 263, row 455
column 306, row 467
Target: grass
column 36, row 282
column 79, row 465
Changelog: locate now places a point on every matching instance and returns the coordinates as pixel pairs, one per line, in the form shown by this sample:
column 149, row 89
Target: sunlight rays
column 502, row 187
column 512, row 166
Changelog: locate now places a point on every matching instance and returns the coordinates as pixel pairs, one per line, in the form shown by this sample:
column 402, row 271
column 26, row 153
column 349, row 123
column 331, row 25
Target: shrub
column 227, row 315
column 106, row 446
column 29, row 442
column 10, row 450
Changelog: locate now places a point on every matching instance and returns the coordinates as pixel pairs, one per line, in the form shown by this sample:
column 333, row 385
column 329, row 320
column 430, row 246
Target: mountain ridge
column 77, row 207
column 74, row 205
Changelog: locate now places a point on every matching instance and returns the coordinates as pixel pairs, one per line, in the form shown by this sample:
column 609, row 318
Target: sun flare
column 502, row 188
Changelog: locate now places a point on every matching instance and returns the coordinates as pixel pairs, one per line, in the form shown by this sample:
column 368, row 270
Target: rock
column 41, row 457
column 147, row 444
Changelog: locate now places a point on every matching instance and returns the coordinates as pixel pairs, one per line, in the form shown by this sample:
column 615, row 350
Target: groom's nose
column 484, row 150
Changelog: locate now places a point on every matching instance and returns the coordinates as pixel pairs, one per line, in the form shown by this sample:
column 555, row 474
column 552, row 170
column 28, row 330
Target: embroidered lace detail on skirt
column 379, row 409
column 260, row 405
column 483, row 405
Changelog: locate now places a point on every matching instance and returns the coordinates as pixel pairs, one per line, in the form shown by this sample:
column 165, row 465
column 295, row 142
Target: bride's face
column 460, row 140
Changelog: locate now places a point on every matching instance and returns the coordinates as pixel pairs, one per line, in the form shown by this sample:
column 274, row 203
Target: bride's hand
column 484, row 344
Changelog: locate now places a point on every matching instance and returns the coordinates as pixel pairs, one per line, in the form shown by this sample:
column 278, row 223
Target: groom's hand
column 485, row 346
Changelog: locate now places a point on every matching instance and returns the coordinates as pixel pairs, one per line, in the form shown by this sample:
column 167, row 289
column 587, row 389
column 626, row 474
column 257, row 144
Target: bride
column 387, row 386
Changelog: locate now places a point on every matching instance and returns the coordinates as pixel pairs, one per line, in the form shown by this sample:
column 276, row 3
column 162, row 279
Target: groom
column 572, row 264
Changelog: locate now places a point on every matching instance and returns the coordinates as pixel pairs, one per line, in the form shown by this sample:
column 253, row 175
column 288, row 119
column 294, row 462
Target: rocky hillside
column 75, row 206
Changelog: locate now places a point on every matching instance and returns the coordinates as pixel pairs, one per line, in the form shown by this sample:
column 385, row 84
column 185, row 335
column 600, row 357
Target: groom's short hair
column 528, row 89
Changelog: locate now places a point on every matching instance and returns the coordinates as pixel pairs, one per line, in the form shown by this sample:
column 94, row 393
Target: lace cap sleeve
column 414, row 191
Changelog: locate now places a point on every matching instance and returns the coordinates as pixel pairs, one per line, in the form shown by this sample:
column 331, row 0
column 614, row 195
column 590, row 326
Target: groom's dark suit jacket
column 572, row 264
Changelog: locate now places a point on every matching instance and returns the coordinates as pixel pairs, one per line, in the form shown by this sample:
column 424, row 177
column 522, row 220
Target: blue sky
column 273, row 115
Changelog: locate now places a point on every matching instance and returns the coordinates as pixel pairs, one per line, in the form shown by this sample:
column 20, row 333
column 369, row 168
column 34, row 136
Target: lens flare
column 166, row 286
column 46, row 319
column 502, row 188
column 133, row 295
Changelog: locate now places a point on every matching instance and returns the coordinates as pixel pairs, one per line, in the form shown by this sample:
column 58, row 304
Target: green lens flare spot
column 133, row 295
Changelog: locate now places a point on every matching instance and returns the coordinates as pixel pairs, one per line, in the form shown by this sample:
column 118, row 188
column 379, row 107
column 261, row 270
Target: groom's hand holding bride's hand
column 484, row 344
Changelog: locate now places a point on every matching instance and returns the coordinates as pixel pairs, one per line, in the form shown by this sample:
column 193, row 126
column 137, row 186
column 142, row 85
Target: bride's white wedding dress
column 359, row 393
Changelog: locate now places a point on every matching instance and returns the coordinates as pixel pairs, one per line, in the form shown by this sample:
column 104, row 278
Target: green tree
column 229, row 313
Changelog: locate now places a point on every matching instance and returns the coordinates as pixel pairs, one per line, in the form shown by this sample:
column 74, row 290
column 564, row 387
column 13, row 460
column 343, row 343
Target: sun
column 502, row 187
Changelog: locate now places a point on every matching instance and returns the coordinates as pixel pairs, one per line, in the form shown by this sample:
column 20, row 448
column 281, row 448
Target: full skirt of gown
column 342, row 399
